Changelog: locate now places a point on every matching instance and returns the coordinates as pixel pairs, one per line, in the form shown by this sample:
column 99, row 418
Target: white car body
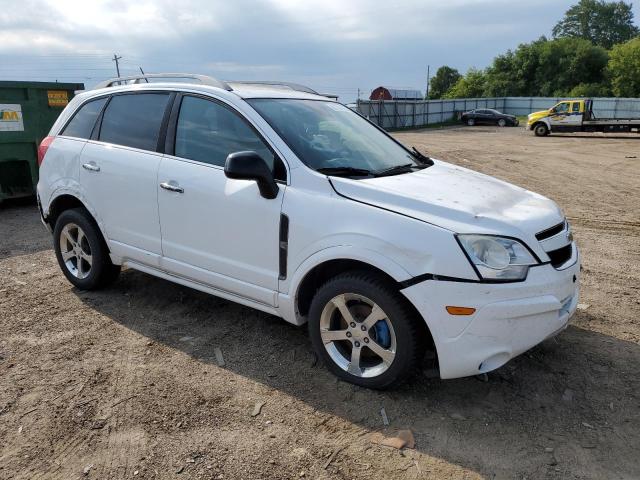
column 228, row 243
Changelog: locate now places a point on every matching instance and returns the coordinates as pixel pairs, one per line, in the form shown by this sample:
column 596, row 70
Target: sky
column 333, row 46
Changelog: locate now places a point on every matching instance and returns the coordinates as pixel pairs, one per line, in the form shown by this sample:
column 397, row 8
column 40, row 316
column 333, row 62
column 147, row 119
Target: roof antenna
column 142, row 72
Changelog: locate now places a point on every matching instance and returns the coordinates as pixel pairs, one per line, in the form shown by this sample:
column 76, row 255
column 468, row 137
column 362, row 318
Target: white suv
column 281, row 199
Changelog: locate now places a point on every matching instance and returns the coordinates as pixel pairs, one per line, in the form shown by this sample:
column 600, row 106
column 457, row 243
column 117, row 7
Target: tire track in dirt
column 606, row 224
column 121, row 441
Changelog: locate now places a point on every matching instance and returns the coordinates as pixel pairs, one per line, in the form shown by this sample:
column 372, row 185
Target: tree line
column 594, row 52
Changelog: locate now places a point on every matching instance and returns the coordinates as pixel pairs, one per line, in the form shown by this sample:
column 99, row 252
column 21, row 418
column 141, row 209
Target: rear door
column 218, row 231
column 119, row 170
column 574, row 119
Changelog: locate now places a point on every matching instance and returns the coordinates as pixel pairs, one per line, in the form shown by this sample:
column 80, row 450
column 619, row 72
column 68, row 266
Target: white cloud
column 336, row 45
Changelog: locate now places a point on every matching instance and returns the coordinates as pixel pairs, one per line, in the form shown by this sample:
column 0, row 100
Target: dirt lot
column 124, row 382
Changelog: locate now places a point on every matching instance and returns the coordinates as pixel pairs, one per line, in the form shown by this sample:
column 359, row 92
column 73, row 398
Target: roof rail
column 133, row 79
column 293, row 86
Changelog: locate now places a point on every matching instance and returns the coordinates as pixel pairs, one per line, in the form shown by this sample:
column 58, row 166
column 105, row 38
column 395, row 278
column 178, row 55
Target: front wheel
column 365, row 331
column 502, row 122
column 541, row 130
column 471, row 122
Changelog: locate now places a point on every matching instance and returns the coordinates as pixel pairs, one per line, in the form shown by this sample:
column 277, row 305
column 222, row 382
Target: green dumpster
column 27, row 112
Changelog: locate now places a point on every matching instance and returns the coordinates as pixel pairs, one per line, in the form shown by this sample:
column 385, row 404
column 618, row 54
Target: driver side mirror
column 251, row 166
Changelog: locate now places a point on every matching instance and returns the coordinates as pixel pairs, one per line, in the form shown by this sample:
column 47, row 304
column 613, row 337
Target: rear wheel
column 502, row 122
column 541, row 130
column 364, row 330
column 81, row 251
column 471, row 122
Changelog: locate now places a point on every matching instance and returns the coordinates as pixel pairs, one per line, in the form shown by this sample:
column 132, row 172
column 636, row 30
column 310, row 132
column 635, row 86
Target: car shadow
column 570, row 396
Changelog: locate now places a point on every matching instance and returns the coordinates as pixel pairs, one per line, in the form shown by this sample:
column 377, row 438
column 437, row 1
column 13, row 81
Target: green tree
column 547, row 68
column 624, row 69
column 602, row 23
column 566, row 62
column 442, row 81
column 590, row 90
column 514, row 73
column 470, row 86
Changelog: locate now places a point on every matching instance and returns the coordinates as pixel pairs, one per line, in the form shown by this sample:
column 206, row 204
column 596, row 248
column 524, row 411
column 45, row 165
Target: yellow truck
column 577, row 116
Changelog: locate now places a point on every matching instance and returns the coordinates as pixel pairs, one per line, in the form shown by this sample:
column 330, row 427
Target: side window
column 562, row 107
column 84, row 119
column 575, row 107
column 134, row 120
column 208, row 132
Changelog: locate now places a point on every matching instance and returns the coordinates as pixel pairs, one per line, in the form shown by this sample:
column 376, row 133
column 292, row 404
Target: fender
column 544, row 120
column 73, row 190
column 286, row 300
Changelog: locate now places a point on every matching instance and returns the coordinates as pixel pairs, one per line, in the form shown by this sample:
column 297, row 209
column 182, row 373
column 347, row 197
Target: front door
column 218, row 231
column 560, row 116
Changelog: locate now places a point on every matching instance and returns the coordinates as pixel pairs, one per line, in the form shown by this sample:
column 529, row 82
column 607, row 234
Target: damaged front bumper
column 509, row 318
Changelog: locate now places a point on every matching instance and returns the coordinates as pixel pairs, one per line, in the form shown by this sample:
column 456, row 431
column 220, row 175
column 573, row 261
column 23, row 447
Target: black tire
column 407, row 327
column 471, row 122
column 101, row 271
column 540, row 130
column 502, row 122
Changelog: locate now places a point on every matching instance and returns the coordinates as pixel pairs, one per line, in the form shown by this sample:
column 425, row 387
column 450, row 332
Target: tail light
column 42, row 149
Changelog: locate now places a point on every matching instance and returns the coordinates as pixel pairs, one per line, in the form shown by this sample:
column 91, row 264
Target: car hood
column 457, row 199
column 537, row 115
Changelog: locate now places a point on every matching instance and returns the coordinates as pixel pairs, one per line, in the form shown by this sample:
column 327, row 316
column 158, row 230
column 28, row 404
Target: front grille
column 550, row 232
column 560, row 256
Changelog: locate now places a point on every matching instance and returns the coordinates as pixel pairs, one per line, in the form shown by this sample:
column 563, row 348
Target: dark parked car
column 488, row 116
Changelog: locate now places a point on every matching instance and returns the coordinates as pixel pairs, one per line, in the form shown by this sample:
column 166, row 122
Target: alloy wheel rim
column 358, row 335
column 75, row 251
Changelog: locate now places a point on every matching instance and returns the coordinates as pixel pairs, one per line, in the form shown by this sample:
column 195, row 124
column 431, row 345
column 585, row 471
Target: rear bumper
column 510, row 318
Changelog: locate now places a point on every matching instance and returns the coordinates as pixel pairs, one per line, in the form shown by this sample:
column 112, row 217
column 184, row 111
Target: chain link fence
column 399, row 114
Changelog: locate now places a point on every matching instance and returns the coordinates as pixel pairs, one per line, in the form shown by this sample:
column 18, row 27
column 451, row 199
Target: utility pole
column 358, row 100
column 428, row 80
column 115, row 59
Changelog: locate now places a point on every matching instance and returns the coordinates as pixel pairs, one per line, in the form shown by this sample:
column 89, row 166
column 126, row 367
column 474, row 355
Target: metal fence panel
column 397, row 114
column 391, row 114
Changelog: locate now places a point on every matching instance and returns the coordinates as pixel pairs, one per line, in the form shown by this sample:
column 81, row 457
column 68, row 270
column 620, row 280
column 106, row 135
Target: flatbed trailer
column 577, row 116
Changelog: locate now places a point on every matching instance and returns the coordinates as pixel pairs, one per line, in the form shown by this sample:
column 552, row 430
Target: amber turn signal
column 460, row 310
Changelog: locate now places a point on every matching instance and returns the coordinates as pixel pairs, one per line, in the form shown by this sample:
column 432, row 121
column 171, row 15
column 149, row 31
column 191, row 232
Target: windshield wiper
column 345, row 171
column 421, row 156
column 406, row 168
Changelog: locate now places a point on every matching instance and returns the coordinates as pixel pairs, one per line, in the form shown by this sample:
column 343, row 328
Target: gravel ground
column 125, row 382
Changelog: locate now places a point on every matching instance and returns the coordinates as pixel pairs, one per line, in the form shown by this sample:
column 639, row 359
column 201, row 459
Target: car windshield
column 329, row 137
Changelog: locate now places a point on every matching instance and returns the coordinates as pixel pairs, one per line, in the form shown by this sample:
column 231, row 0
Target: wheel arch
column 65, row 201
column 319, row 273
column 543, row 121
column 59, row 204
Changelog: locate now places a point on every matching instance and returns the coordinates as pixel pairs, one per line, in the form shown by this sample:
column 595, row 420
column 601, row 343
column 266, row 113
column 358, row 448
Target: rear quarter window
column 134, row 120
column 83, row 121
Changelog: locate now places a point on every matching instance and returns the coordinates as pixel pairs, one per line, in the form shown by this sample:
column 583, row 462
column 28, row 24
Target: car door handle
column 171, row 187
column 92, row 167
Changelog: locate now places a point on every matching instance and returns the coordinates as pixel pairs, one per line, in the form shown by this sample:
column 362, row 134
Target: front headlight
column 497, row 258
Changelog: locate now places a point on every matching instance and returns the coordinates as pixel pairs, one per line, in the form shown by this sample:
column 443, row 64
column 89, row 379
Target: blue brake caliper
column 383, row 336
